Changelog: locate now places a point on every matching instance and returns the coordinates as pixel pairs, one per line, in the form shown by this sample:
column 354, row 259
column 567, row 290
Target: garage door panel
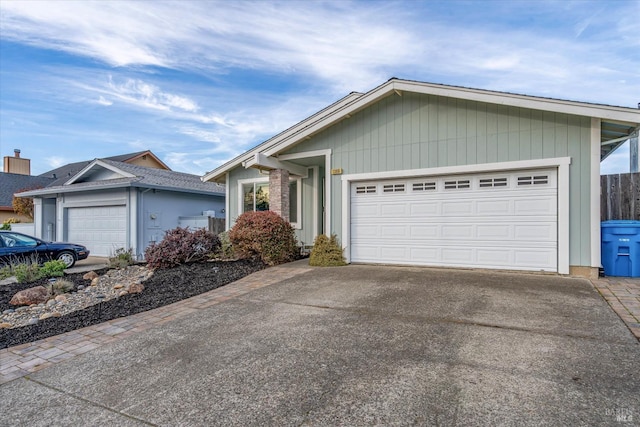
column 424, row 231
column 457, row 208
column 536, row 206
column 399, row 231
column 457, row 231
column 393, row 209
column 536, row 232
column 421, row 208
column 494, row 231
column 505, row 224
column 493, row 207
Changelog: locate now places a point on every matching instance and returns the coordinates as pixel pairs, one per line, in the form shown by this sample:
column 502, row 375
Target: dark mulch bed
column 166, row 286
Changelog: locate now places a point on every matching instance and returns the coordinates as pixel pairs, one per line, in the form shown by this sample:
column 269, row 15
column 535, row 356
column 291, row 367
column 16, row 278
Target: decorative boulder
column 36, row 295
column 135, row 288
column 90, row 275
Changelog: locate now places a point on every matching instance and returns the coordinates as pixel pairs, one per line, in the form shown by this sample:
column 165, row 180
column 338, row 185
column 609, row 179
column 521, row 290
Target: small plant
column 226, row 248
column 121, row 258
column 180, row 246
column 266, row 235
column 6, row 224
column 53, row 268
column 59, row 287
column 27, row 272
column 6, row 272
column 326, row 252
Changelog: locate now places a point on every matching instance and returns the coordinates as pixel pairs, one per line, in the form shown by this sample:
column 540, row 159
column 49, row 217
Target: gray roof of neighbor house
column 144, row 177
column 11, row 183
column 64, row 173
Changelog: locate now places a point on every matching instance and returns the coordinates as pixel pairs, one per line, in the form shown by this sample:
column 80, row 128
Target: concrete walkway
column 20, row 360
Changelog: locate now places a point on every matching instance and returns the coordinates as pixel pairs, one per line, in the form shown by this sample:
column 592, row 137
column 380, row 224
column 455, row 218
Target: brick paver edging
column 18, row 361
column 623, row 295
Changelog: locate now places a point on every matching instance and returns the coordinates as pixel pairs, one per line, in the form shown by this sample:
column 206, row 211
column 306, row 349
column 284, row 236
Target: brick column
column 279, row 192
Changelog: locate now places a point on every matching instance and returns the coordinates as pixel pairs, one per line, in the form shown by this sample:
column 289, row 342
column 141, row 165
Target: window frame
column 242, row 182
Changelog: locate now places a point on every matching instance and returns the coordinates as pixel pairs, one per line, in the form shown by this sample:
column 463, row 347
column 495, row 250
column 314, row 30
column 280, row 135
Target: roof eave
column 307, row 128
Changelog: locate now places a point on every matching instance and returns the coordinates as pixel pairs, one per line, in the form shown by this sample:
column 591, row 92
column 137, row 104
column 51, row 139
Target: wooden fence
column 216, row 225
column 620, row 196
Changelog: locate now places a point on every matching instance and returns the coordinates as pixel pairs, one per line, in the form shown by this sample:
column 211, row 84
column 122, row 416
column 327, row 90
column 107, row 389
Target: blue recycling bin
column 621, row 248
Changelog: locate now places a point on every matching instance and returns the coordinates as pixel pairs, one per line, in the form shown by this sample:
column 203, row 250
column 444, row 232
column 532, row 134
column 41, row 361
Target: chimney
column 16, row 164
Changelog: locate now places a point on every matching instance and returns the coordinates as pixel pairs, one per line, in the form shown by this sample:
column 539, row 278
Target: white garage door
column 102, row 229
column 499, row 220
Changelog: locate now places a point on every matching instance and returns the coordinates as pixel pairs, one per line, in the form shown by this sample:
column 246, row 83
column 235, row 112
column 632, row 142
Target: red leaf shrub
column 266, row 235
column 180, row 246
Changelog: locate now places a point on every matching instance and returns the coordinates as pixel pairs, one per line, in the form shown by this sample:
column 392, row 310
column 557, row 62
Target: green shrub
column 121, row 258
column 53, row 268
column 60, row 286
column 226, row 250
column 27, row 272
column 181, row 245
column 6, row 224
column 6, row 272
column 326, row 252
column 266, row 235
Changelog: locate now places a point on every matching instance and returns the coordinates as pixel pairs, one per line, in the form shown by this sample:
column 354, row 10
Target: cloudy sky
column 199, row 82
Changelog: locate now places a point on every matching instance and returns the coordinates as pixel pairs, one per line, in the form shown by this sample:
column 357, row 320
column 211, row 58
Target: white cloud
column 103, row 101
column 56, row 161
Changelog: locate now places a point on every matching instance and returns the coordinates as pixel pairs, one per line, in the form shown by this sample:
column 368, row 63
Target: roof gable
column 103, row 174
column 99, row 170
column 64, row 173
column 351, row 105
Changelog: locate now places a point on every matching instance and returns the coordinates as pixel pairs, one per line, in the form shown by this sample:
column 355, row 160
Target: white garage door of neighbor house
column 496, row 220
column 102, row 229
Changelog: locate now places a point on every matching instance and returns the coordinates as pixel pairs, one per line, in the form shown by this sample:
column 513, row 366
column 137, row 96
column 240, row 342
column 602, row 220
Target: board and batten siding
column 416, row 131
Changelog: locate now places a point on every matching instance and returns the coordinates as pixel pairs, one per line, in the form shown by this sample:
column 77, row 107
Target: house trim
column 562, row 163
column 594, row 195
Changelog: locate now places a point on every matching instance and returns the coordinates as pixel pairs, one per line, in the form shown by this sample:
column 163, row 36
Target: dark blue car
column 17, row 247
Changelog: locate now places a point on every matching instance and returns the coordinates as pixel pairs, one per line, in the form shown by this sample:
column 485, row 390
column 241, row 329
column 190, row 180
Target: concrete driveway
column 359, row 345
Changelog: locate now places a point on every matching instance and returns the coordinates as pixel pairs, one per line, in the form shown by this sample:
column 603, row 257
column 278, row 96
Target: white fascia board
column 624, row 114
column 295, row 129
column 61, row 189
column 98, row 162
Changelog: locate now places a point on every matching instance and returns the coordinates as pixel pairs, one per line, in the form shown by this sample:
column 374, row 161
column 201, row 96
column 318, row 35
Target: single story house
column 417, row 173
column 108, row 205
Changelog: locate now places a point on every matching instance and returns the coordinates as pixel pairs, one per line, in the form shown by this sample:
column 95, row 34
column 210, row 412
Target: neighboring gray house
column 424, row 174
column 109, row 205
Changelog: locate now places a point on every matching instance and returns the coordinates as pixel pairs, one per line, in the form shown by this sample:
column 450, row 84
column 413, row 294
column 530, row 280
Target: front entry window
column 256, row 196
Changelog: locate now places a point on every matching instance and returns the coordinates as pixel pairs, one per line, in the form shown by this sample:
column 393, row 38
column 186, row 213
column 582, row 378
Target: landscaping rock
column 5, row 325
column 135, row 288
column 118, row 286
column 61, row 298
column 90, row 275
column 30, row 296
column 95, row 281
column 44, row 316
